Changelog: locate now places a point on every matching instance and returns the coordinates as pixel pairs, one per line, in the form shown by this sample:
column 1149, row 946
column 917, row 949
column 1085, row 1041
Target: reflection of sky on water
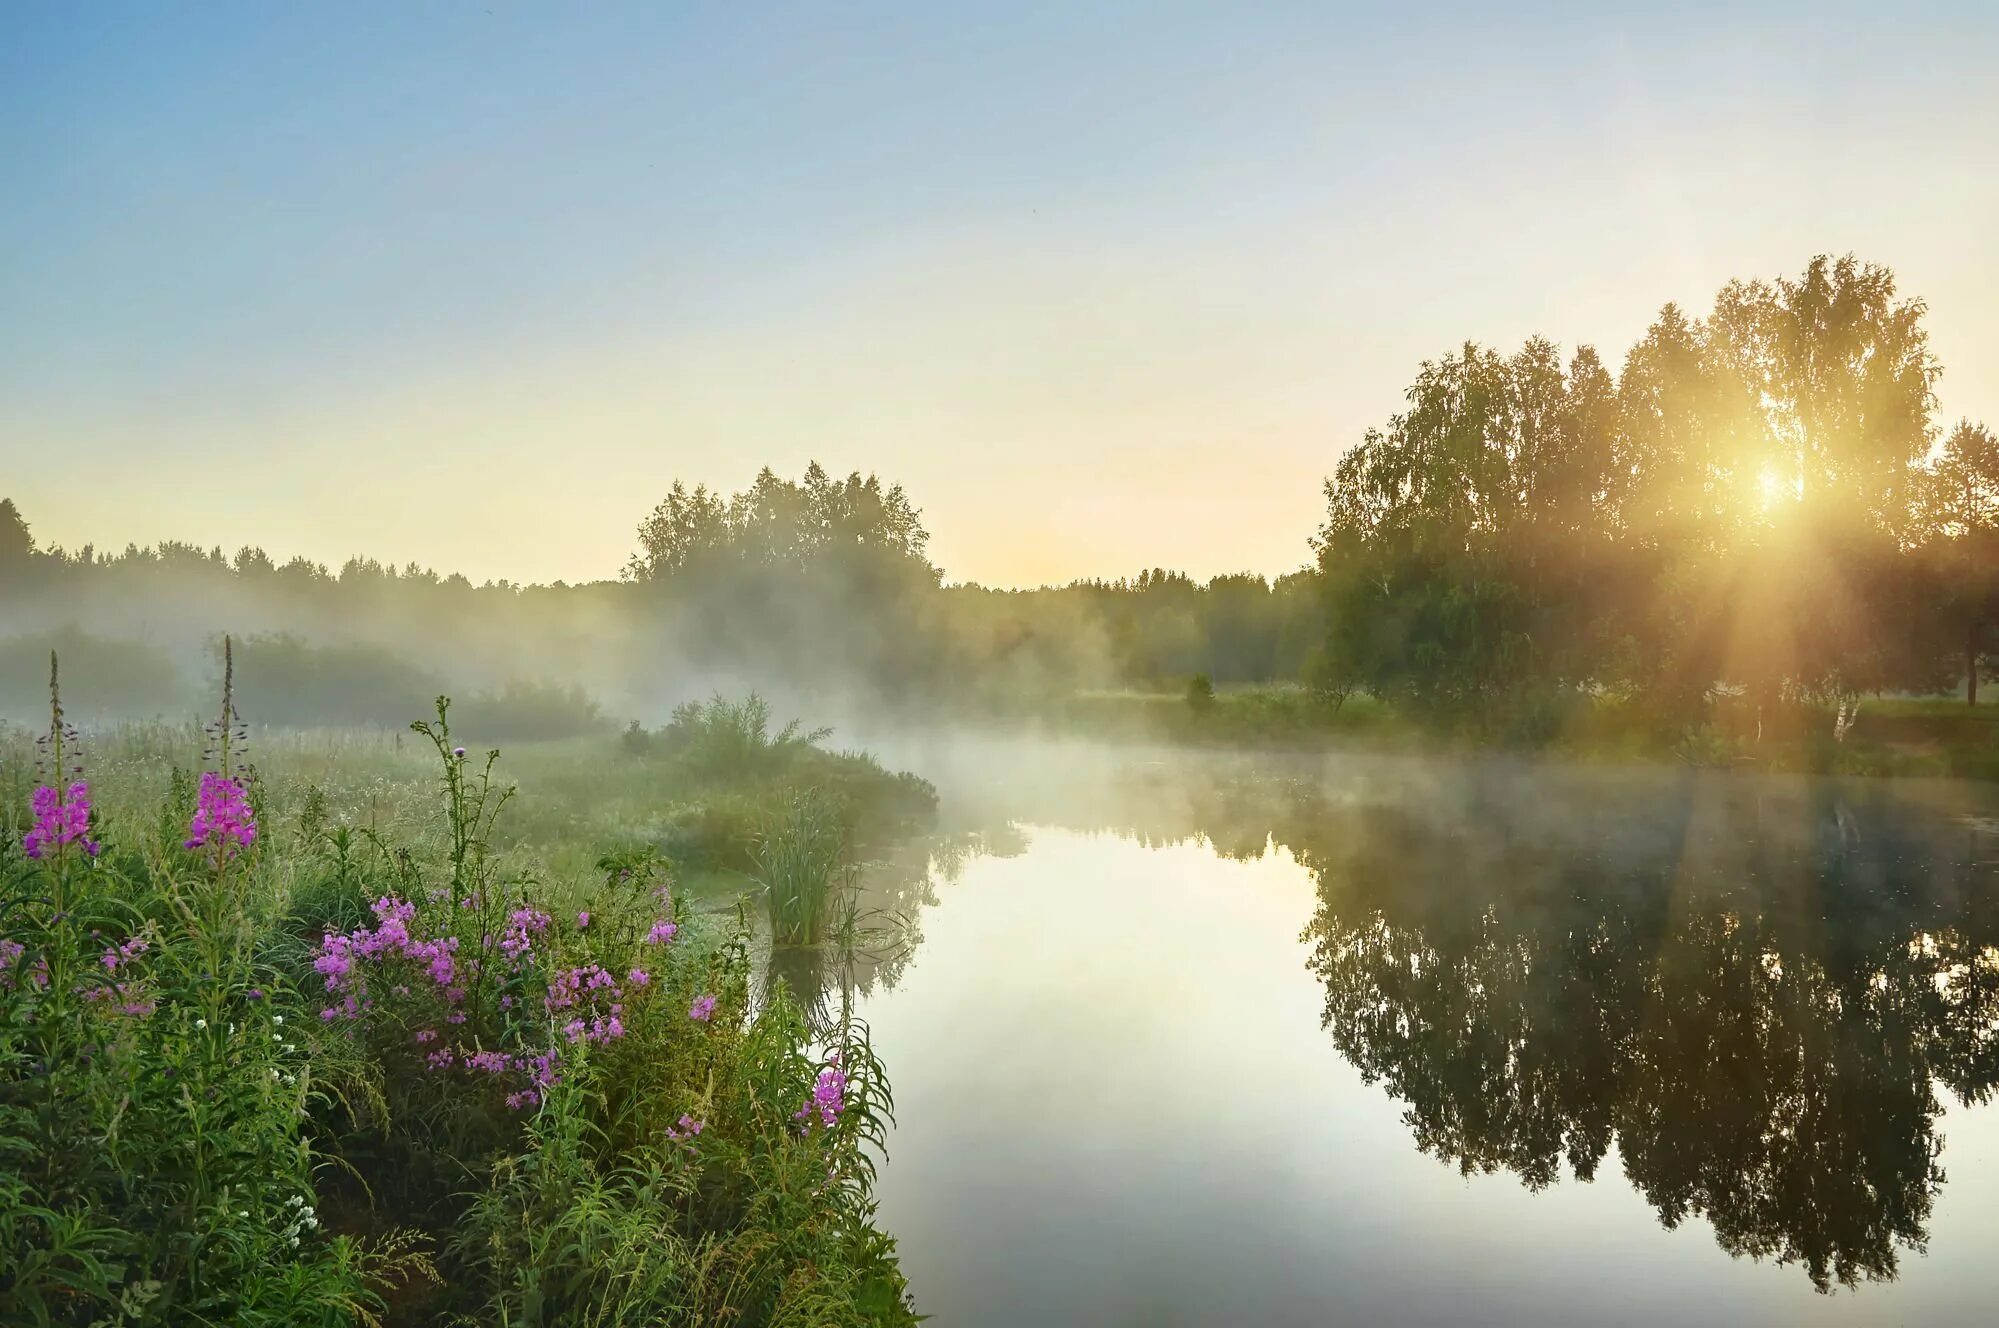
column 1119, row 1103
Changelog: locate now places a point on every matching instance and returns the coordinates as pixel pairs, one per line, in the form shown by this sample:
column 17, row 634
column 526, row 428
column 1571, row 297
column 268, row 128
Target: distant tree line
column 1759, row 502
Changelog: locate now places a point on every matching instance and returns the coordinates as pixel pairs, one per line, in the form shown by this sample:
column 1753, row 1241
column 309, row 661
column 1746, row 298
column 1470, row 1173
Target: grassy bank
column 1892, row 736
column 351, row 1027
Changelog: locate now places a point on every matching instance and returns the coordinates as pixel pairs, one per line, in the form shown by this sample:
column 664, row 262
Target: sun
column 1772, row 487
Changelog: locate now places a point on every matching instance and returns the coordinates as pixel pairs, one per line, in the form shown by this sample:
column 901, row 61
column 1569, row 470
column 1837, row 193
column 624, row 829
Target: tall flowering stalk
column 472, row 803
column 224, row 822
column 61, row 803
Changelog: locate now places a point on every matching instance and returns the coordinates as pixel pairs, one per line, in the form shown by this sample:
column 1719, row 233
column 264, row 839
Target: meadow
column 335, row 1026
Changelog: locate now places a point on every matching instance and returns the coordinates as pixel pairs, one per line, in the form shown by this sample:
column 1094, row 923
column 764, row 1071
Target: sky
column 1105, row 286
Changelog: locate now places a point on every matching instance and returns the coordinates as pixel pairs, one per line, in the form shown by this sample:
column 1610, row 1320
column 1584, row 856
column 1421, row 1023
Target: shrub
column 732, row 741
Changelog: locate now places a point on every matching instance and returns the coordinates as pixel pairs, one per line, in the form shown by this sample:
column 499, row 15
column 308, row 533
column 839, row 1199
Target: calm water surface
column 1400, row 1042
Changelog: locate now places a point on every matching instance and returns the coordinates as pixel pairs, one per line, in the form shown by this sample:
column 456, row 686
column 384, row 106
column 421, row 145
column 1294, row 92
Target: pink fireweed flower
column 703, row 1007
column 662, row 932
column 829, row 1097
column 62, row 816
column 638, row 977
column 123, row 954
column 222, row 816
column 523, row 924
column 583, row 919
column 426, row 1035
column 689, row 1127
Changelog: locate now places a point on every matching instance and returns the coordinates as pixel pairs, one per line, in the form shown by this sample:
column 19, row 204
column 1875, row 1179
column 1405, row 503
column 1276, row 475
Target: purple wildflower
column 123, row 954
column 583, row 919
column 638, row 977
column 522, row 926
column 829, row 1096
column 662, row 932
column 689, row 1127
column 62, row 816
column 221, row 814
column 703, row 1007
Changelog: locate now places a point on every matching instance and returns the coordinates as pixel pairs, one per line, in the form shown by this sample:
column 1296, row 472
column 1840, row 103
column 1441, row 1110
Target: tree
column 1845, row 376
column 16, row 542
column 1735, row 511
column 1964, row 511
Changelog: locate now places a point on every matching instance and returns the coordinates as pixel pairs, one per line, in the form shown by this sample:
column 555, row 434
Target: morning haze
column 1087, row 664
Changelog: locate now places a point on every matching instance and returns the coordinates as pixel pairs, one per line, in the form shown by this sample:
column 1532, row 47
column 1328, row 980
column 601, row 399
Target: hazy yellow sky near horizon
column 1104, row 290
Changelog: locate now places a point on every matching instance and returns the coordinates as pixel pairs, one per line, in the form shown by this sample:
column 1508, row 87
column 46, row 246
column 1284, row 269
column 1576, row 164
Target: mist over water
column 1196, row 1040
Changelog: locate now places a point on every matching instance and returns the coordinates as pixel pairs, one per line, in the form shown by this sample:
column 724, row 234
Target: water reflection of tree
column 1752, row 988
column 1755, row 1023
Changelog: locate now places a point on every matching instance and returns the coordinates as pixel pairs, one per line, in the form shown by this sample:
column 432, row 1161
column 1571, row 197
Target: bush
column 731, row 741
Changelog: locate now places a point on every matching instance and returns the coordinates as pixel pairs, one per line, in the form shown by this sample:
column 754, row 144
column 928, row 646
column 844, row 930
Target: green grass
column 798, row 855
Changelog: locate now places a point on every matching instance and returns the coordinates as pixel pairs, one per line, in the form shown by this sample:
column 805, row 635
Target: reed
column 799, row 854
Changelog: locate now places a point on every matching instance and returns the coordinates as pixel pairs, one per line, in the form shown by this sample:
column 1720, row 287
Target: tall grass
column 799, row 853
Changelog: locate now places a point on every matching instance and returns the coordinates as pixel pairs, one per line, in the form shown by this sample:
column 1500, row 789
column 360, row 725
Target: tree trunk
column 1971, row 667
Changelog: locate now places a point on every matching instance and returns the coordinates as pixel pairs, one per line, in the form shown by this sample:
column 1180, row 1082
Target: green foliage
column 185, row 1139
column 798, row 856
column 732, row 741
column 118, row 677
column 1200, row 693
column 1749, row 506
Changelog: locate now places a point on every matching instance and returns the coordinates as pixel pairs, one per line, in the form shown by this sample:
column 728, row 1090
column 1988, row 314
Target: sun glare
column 1772, row 487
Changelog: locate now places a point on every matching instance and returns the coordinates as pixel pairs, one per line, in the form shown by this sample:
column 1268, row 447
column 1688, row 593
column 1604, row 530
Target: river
column 1217, row 1040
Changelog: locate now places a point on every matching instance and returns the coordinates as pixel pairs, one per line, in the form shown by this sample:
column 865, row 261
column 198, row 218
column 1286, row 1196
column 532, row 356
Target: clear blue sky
column 1104, row 285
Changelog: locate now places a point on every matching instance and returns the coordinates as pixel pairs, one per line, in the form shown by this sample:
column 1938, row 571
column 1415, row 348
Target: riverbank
column 337, row 1027
column 1917, row 737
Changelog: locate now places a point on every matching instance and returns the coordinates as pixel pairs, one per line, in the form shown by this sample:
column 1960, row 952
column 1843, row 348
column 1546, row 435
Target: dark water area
column 1382, row 1041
